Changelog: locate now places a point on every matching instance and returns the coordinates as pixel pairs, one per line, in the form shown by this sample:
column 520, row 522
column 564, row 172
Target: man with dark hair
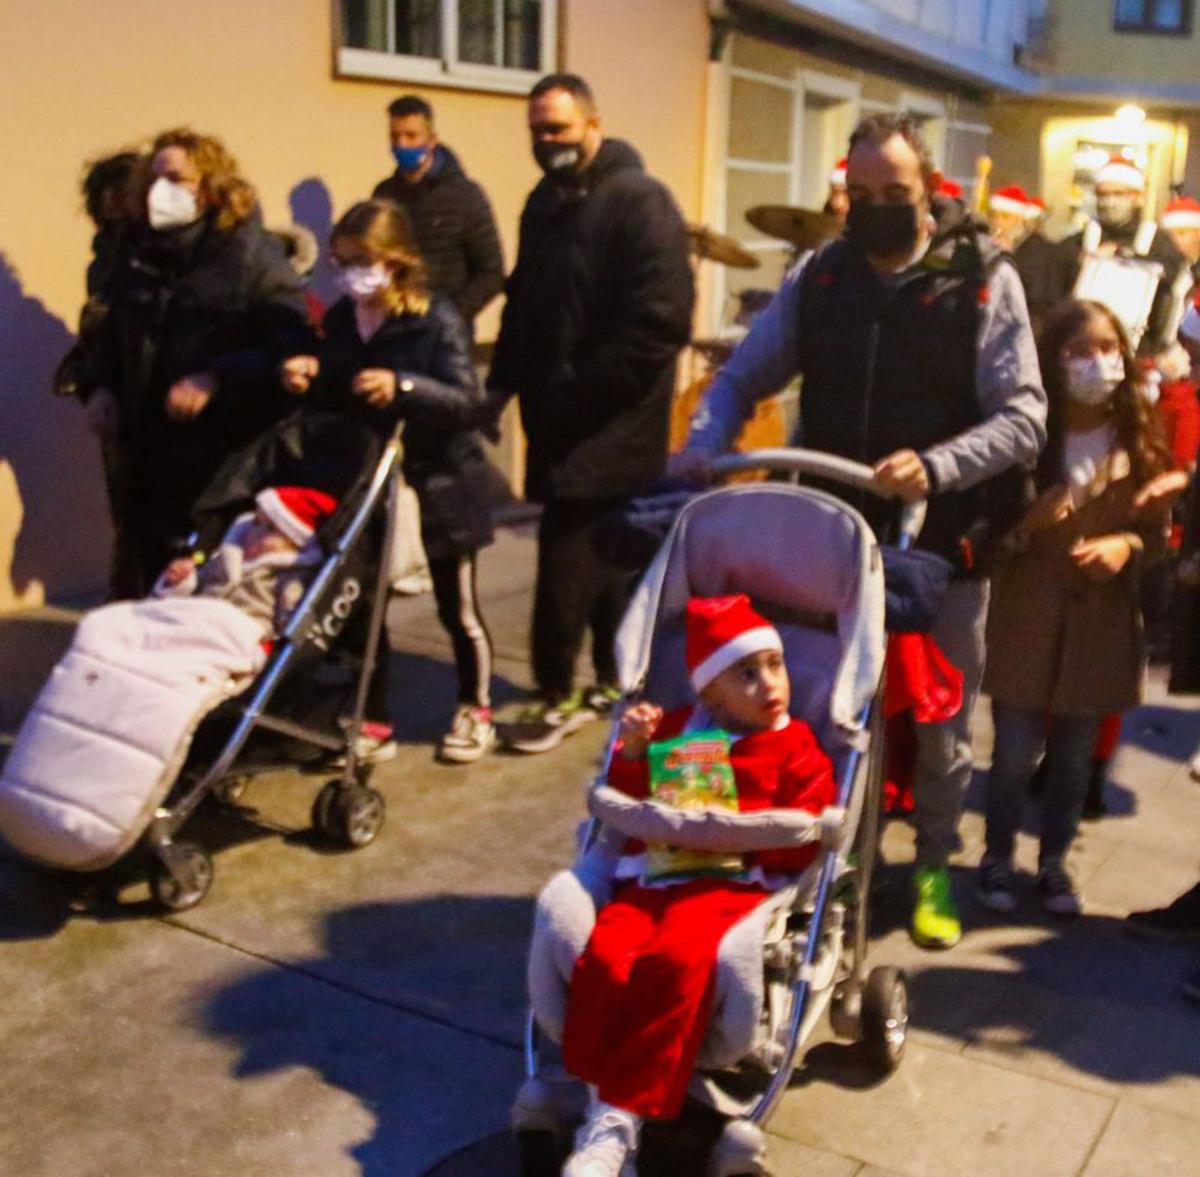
column 914, row 343
column 599, row 304
column 450, row 214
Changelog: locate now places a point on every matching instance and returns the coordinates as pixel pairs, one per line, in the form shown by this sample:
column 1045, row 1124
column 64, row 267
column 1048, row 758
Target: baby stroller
column 65, row 818
column 811, row 564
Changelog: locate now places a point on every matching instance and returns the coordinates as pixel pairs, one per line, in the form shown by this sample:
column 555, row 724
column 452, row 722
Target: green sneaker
column 602, row 698
column 935, row 922
column 545, row 725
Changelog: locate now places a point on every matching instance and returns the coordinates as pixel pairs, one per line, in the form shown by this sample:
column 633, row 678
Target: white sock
column 597, row 1108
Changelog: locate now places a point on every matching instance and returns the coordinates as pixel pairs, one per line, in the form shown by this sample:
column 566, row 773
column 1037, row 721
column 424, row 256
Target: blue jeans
column 1020, row 737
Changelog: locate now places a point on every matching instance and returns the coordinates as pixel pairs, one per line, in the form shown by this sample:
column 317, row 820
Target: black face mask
column 882, row 230
column 560, row 161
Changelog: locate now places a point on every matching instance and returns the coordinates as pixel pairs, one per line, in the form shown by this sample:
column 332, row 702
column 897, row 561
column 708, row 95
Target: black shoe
column 1094, row 806
column 1037, row 782
column 1175, row 923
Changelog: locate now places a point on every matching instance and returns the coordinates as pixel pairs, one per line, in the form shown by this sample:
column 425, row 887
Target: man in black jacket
column 450, row 214
column 599, row 304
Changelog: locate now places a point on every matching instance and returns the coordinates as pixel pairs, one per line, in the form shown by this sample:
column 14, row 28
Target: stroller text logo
column 329, row 626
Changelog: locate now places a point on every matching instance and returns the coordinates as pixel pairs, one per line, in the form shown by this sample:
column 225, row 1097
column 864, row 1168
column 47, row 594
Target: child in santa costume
column 641, row 994
column 264, row 560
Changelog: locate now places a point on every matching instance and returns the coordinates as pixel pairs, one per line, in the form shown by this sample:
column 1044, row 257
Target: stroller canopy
column 807, row 560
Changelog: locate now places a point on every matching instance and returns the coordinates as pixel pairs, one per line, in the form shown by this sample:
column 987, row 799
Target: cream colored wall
column 1083, row 44
column 84, row 79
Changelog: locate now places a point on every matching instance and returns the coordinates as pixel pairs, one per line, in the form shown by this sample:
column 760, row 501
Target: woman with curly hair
column 203, row 304
column 1064, row 636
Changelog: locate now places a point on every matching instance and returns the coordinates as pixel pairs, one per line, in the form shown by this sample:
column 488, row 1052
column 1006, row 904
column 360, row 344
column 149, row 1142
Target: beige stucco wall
column 84, row 79
column 1082, row 43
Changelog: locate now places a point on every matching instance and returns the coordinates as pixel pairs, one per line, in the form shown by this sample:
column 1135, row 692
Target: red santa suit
column 641, row 994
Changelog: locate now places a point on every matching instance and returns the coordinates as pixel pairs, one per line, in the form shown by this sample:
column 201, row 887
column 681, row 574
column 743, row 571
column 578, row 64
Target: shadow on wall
column 54, row 528
column 312, row 206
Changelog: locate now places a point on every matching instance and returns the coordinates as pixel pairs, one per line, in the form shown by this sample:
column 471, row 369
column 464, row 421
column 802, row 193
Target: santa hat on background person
column 1119, row 170
column 722, row 631
column 295, row 510
column 1012, row 199
column 1035, row 208
column 950, row 188
column 837, row 178
column 1182, row 212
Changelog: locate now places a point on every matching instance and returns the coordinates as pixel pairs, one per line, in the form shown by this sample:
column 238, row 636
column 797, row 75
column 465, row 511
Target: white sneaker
column 471, row 734
column 605, row 1144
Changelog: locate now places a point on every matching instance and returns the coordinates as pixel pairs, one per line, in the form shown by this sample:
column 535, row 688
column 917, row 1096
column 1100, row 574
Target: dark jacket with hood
column 599, row 304
column 437, row 398
column 455, row 230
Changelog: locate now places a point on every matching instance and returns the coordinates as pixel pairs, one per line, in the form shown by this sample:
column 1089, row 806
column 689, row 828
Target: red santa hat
column 1118, row 170
column 1012, row 199
column 1036, row 208
column 1182, row 212
column 837, row 178
column 950, row 188
column 295, row 510
column 722, row 631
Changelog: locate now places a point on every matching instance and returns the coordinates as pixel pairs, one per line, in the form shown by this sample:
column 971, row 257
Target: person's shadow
column 416, row 1010
column 55, row 533
column 311, row 205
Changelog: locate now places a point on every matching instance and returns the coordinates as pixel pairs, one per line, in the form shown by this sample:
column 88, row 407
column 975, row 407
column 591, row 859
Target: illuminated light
column 1130, row 113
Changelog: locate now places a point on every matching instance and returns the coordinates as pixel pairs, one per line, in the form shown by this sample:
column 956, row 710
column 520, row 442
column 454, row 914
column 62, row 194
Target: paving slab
column 941, row 1113
column 1140, row 1141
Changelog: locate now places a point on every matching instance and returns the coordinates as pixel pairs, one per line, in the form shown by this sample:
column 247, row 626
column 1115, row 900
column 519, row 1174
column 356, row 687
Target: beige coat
column 1058, row 640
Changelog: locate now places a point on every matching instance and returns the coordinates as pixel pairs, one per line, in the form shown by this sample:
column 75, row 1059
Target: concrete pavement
column 360, row 1013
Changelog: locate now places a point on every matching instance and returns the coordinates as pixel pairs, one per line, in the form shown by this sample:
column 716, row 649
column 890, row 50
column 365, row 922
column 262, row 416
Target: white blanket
column 111, row 728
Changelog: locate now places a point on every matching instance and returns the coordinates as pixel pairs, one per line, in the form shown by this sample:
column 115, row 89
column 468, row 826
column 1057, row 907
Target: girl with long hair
column 1064, row 635
column 393, row 352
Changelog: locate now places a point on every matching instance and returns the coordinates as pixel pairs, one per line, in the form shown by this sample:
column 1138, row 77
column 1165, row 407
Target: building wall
column 1082, row 43
column 82, row 80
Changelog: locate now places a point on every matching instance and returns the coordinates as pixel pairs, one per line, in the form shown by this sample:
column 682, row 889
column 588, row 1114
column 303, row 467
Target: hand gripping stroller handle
column 818, row 464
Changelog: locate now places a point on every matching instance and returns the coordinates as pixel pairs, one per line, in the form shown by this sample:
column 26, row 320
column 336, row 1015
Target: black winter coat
column 438, row 401
column 599, row 304
column 1039, row 263
column 195, row 300
column 455, row 230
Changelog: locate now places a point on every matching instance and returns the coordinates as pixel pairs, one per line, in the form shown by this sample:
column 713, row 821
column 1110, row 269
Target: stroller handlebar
column 818, row 464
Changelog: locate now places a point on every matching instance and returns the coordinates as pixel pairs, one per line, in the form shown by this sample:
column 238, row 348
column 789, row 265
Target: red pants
column 642, row 992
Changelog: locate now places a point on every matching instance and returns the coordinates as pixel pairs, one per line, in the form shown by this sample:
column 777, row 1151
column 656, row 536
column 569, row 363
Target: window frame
column 1147, row 28
column 446, row 71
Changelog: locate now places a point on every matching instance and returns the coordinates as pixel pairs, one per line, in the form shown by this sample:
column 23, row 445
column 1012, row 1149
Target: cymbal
column 800, row 227
column 708, row 243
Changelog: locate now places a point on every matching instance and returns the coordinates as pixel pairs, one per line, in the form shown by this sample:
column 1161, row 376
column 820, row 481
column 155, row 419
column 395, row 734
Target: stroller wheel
column 349, row 815
column 185, row 882
column 885, row 1017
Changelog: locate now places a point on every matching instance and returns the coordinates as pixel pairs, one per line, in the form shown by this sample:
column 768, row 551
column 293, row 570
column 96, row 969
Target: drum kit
column 802, row 230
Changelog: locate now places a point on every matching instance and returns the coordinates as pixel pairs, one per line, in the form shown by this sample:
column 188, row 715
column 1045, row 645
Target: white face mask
column 1091, row 380
column 362, row 282
column 170, row 205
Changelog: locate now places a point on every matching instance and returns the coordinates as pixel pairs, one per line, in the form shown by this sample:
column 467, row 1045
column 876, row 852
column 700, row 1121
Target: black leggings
column 458, row 611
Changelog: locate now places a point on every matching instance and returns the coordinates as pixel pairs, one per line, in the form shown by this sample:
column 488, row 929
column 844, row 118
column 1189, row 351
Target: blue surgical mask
column 409, row 159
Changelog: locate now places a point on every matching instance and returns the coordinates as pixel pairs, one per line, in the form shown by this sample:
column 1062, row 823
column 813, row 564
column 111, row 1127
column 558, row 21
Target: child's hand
column 178, row 570
column 377, row 386
column 1161, row 492
column 298, row 372
column 1102, row 558
column 189, row 397
column 638, row 726
column 1050, row 507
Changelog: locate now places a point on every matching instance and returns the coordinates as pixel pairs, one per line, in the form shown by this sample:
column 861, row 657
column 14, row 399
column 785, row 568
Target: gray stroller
column 812, row 565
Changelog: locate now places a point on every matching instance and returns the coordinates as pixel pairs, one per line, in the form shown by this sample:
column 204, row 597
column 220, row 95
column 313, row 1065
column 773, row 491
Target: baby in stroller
column 641, row 993
column 264, row 559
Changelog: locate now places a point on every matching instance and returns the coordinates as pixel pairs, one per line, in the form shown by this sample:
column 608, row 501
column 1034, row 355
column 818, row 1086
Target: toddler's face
column 753, row 694
column 262, row 538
